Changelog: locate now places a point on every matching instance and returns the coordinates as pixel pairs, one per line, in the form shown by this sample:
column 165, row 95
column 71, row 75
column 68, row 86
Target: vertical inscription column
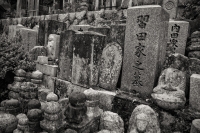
column 177, row 36
column 145, row 45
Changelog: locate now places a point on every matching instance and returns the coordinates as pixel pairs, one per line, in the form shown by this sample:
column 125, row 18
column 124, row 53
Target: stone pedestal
column 145, row 48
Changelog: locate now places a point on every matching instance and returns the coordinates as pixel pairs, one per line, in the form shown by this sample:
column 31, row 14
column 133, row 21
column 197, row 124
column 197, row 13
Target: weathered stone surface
column 194, row 92
column 111, row 62
column 194, row 66
column 66, row 55
column 36, row 75
column 87, row 52
column 170, row 92
column 29, row 38
column 50, row 70
column 111, row 121
column 47, row 27
column 144, row 34
column 195, row 128
column 117, row 35
column 13, row 95
column 143, row 119
column 80, row 27
column 177, row 36
column 53, row 117
column 34, row 115
column 171, row 7
column 36, row 81
column 19, row 79
column 17, row 131
column 52, row 107
column 8, row 123
column 42, row 60
column 70, row 131
column 37, row 51
column 20, row 73
column 104, row 31
column 34, row 104
column 53, row 46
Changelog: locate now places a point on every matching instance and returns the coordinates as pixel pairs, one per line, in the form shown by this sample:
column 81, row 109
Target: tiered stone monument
column 12, row 106
column 34, row 118
column 18, row 80
column 76, row 117
column 52, row 122
column 145, row 48
column 36, row 77
column 194, row 48
column 22, row 123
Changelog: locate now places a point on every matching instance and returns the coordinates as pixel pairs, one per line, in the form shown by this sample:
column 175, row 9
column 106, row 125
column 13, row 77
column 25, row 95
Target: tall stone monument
column 177, row 36
column 145, row 48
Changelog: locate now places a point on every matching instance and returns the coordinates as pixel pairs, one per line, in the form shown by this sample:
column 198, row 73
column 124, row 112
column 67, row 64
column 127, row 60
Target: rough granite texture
column 145, row 46
column 194, row 99
column 171, row 7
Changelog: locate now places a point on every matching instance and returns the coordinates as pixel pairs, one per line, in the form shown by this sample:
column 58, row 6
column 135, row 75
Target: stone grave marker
column 194, row 99
column 13, row 30
column 145, row 48
column 53, row 46
column 171, row 7
column 177, row 36
column 88, row 47
column 29, row 38
column 47, row 27
column 66, row 55
column 111, row 61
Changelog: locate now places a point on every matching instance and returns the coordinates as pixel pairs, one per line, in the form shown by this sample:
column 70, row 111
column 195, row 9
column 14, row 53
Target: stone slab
column 53, row 46
column 194, row 99
column 177, row 35
column 111, row 62
column 66, row 55
column 47, row 27
column 171, row 7
column 13, row 30
column 42, row 60
column 37, row 51
column 144, row 52
column 87, row 52
column 50, row 70
column 29, row 38
column 80, row 27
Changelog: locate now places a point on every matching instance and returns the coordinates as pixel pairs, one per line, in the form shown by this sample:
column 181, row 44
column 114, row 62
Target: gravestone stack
column 177, row 36
column 145, row 48
column 87, row 50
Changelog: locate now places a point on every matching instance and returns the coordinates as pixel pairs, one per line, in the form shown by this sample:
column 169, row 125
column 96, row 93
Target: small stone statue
column 170, row 92
column 76, row 110
column 143, row 120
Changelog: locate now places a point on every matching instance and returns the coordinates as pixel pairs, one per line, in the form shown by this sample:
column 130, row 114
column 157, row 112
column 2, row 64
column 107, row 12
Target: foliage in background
column 13, row 56
column 192, row 10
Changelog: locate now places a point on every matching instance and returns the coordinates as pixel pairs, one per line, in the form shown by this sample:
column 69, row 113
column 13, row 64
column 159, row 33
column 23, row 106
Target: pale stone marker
column 53, row 46
column 177, row 35
column 194, row 100
column 13, row 30
column 171, row 7
column 88, row 47
column 145, row 48
column 29, row 38
column 111, row 61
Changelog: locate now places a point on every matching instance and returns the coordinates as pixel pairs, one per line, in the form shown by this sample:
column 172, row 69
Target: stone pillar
column 194, row 99
column 145, row 48
column 88, row 47
column 177, row 36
